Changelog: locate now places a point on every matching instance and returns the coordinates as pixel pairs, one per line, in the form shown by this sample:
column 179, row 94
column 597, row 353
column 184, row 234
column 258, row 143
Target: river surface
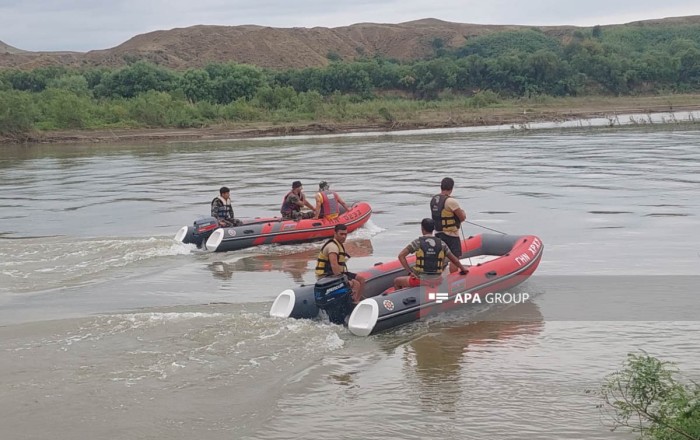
column 111, row 330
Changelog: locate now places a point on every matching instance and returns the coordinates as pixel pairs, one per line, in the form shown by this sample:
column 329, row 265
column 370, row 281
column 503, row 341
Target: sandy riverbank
column 516, row 113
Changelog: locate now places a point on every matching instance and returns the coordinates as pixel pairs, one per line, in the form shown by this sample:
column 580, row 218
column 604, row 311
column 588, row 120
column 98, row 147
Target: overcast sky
column 83, row 25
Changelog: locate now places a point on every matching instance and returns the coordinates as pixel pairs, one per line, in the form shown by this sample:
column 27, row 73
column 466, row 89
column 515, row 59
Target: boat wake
column 35, row 264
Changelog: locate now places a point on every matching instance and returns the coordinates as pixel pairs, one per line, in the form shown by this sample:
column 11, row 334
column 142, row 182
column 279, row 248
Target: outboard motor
column 203, row 228
column 332, row 294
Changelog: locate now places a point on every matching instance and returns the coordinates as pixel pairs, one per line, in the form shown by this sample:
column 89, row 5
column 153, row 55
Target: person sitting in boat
column 328, row 202
column 222, row 210
column 332, row 260
column 431, row 253
column 293, row 202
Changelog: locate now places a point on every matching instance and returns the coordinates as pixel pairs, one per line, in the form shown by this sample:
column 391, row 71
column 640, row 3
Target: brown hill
column 293, row 47
column 282, row 47
column 6, row 48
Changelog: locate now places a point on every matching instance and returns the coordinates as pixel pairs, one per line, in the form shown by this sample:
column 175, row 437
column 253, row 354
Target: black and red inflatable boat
column 496, row 263
column 206, row 233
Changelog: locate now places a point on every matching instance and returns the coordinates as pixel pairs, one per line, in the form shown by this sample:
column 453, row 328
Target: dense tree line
column 615, row 61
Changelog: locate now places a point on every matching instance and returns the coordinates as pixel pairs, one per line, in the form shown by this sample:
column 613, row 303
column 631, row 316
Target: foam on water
column 42, row 264
column 220, row 341
column 369, row 230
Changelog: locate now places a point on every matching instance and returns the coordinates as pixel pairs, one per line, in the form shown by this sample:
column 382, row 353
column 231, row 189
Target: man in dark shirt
column 293, row 202
column 222, row 210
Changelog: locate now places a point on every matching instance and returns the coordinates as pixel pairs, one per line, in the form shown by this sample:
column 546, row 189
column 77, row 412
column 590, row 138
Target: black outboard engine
column 332, row 294
column 203, row 228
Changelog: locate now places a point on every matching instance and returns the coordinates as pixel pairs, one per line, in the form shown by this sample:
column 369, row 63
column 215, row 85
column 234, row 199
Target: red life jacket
column 330, row 208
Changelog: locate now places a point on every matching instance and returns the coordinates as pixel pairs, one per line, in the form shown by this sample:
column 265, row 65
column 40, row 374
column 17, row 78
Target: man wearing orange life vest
column 328, row 202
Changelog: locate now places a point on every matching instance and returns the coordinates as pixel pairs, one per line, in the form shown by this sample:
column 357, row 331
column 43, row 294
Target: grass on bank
column 24, row 113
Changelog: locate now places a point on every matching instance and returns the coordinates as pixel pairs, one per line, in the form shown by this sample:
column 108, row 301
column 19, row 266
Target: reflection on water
column 296, row 265
column 414, row 385
column 441, row 351
column 436, row 359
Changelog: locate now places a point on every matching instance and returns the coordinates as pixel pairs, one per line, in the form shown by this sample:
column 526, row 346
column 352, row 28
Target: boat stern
column 215, row 240
column 184, row 235
column 364, row 317
column 283, row 305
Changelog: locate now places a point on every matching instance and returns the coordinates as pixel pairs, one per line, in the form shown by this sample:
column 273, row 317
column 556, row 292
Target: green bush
column 113, row 113
column 76, row 84
column 503, row 43
column 63, row 109
column 241, row 110
column 310, row 102
column 386, row 115
column 273, row 98
column 647, row 397
column 484, row 98
column 135, row 79
column 209, row 111
column 151, row 108
column 17, row 114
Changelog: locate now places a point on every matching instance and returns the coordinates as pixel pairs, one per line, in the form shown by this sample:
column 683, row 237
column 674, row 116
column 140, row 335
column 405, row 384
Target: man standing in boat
column 293, row 202
column 448, row 216
column 431, row 253
column 222, row 210
column 332, row 260
column 328, row 202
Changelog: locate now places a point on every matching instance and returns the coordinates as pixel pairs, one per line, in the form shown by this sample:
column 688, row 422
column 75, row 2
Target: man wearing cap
column 222, row 210
column 293, row 202
column 328, row 202
column 431, row 253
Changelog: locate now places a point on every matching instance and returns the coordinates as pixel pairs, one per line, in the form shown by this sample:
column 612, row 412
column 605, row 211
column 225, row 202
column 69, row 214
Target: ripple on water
column 35, row 264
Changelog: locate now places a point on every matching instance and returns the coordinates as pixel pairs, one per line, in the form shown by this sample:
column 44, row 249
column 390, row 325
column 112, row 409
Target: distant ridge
column 6, row 48
column 263, row 46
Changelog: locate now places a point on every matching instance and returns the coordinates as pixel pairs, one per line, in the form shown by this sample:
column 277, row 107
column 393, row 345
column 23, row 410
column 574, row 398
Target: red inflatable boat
column 205, row 233
column 496, row 263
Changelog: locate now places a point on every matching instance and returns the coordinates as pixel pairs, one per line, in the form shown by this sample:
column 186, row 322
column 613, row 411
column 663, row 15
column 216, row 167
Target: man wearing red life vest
column 328, row 202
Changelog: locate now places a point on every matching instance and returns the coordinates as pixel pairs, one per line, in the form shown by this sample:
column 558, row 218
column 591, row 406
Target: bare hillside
column 281, row 47
column 292, row 47
column 6, row 48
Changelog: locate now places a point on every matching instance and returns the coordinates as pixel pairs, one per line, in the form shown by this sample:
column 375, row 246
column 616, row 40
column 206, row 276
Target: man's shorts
column 430, row 281
column 454, row 243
